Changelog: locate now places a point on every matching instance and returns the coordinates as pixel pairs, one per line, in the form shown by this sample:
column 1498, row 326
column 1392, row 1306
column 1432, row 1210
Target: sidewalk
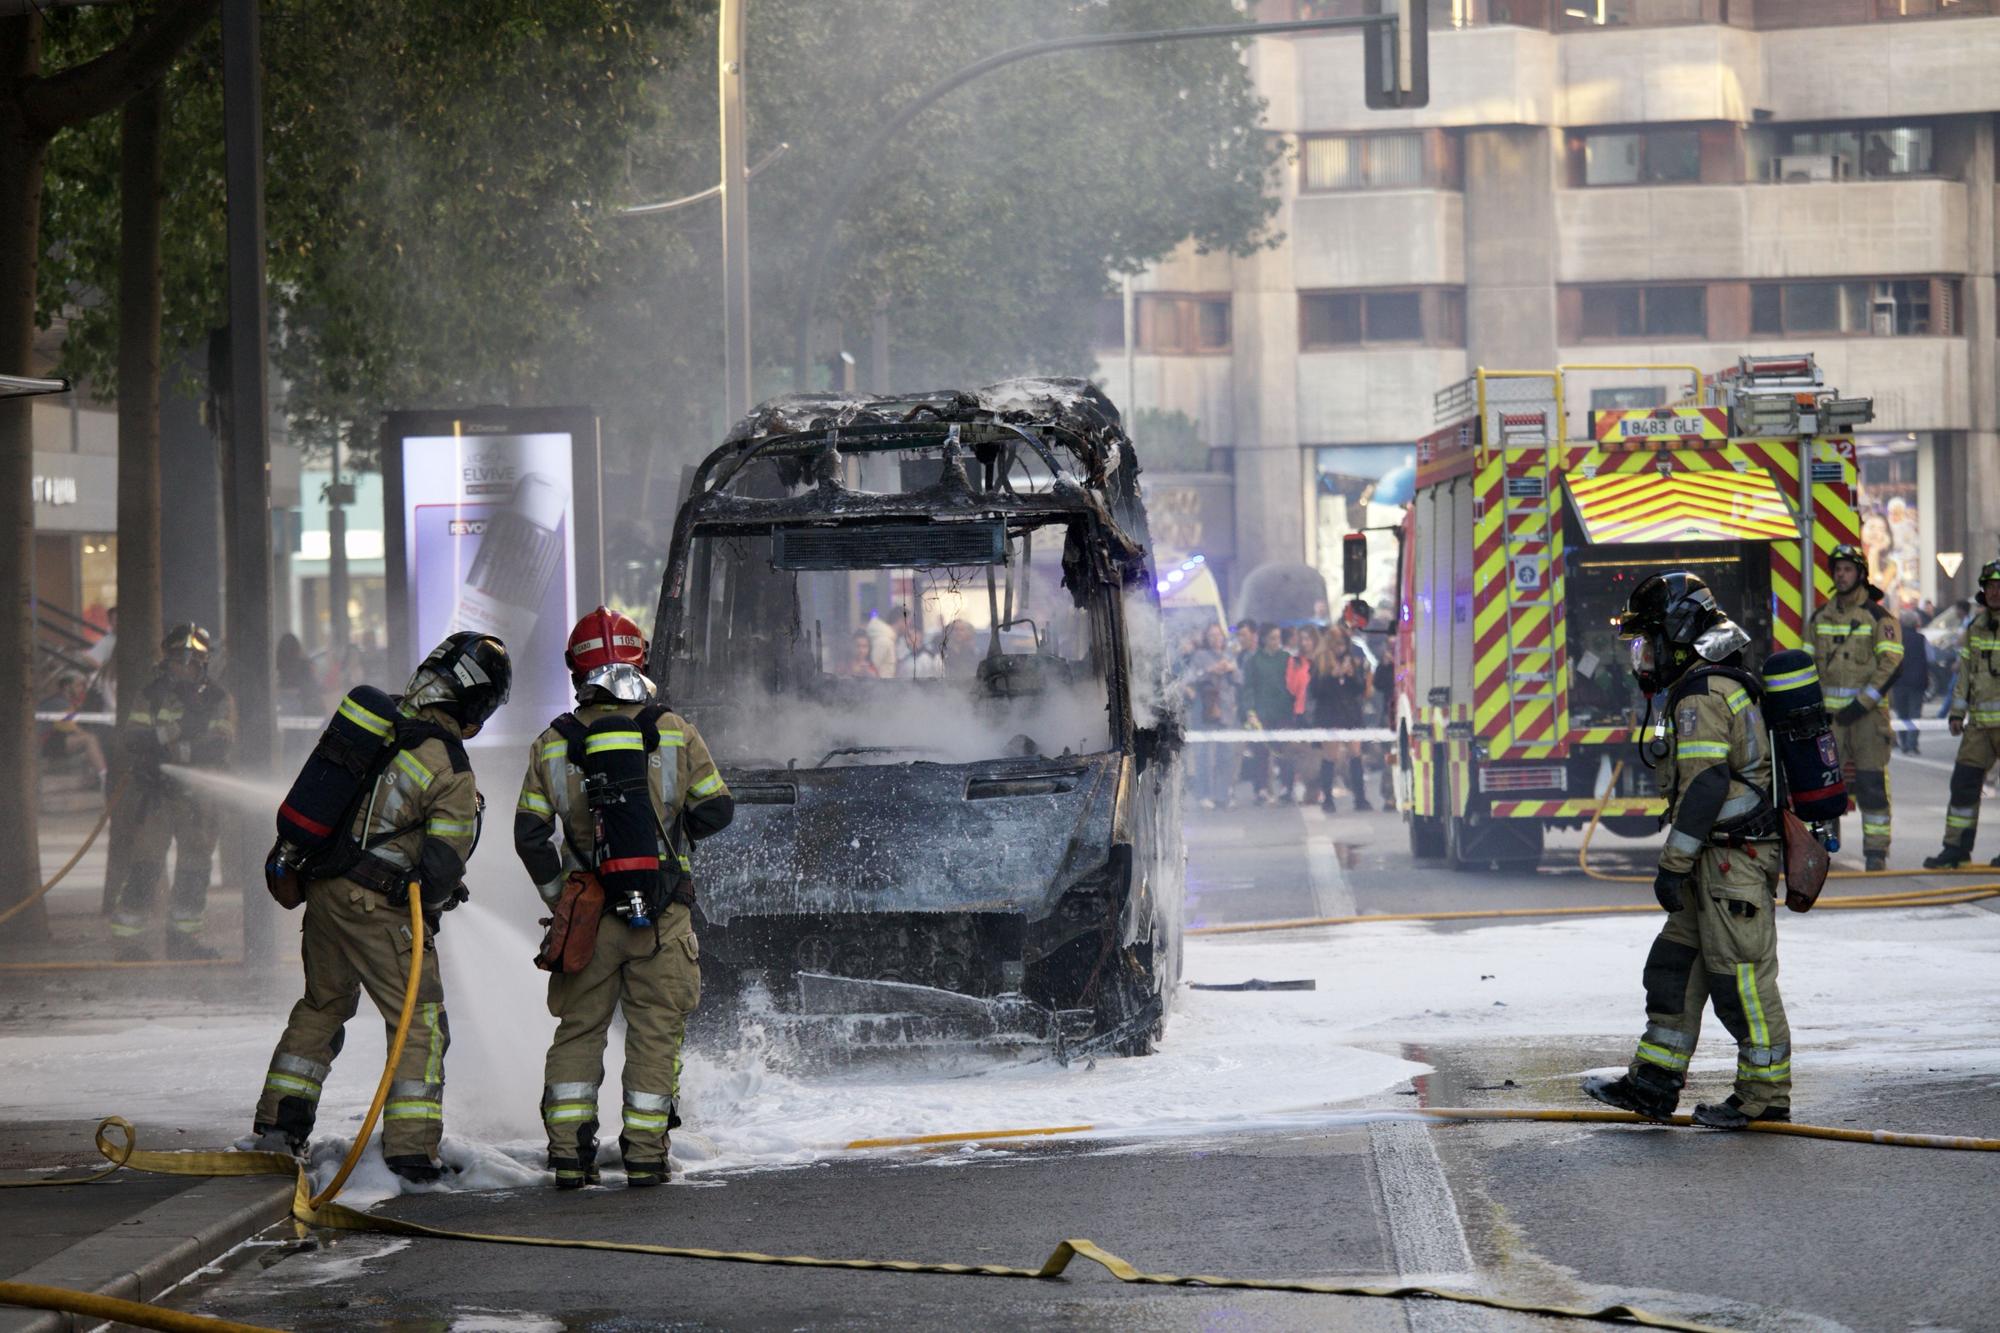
column 131, row 1235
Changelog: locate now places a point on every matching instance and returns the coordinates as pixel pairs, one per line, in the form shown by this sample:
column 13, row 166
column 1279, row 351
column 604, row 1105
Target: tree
column 35, row 106
column 991, row 230
column 444, row 181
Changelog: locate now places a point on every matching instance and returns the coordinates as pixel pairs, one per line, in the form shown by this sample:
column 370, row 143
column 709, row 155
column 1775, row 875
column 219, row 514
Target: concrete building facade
column 1605, row 181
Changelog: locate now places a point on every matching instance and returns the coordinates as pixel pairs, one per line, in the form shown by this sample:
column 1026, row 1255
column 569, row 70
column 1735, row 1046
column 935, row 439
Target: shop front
column 76, row 548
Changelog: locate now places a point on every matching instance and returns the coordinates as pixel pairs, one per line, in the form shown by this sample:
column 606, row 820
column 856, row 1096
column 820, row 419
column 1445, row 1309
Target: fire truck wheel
column 1426, row 837
column 1456, row 836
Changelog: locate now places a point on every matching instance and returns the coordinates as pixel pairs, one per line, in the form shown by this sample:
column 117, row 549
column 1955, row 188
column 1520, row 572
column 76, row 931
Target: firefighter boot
column 1950, row 858
column 644, row 1175
column 417, row 1169
column 271, row 1138
column 1642, row 1092
column 186, row 948
column 1729, row 1114
column 577, row 1167
column 1875, row 861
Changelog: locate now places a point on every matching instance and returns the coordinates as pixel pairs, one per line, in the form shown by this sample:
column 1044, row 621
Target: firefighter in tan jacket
column 1975, row 720
column 1718, row 873
column 1857, row 645
column 418, row 823
column 183, row 719
column 618, row 743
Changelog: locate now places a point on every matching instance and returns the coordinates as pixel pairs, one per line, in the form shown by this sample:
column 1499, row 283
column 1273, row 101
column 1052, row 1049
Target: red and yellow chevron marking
column 1583, row 808
column 1706, row 506
column 1423, row 787
column 1780, row 458
column 1600, row 736
column 1834, row 517
column 1834, row 521
column 1647, row 425
column 1512, row 638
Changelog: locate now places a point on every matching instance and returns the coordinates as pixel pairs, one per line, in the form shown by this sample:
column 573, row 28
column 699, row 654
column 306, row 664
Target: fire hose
column 103, row 819
column 311, row 1209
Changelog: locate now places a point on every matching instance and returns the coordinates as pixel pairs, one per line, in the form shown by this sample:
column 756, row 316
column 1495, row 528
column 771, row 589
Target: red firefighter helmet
column 604, row 638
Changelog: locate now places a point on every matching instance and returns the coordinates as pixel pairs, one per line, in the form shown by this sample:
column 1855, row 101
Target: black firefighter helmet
column 1671, row 621
column 186, row 644
column 468, row 676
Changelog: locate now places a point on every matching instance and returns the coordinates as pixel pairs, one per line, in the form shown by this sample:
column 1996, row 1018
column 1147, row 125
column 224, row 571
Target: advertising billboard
column 492, row 526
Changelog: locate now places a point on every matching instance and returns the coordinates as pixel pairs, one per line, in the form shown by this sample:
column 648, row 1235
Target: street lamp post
column 1403, row 78
column 735, row 213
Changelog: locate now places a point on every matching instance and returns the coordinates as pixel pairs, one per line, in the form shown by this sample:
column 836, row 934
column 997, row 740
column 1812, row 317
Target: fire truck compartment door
column 1718, row 506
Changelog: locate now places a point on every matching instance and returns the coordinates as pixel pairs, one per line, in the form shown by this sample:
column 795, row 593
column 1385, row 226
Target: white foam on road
column 1873, row 989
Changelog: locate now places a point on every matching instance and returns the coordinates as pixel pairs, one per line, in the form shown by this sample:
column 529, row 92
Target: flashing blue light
column 1200, row 560
column 1161, row 586
column 1177, row 576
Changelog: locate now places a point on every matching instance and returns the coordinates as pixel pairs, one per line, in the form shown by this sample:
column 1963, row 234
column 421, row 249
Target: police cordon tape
column 285, row 723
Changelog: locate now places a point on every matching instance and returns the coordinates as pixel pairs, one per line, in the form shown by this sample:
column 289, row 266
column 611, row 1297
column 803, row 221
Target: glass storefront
column 1897, row 529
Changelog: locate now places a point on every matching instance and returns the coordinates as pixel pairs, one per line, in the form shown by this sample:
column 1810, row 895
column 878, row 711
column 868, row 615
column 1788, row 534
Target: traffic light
column 1354, row 564
column 1396, row 58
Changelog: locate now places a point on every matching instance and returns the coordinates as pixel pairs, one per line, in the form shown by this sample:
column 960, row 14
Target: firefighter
column 1975, row 720
column 417, row 824
column 1858, row 644
column 646, row 958
column 184, row 719
column 1718, row 873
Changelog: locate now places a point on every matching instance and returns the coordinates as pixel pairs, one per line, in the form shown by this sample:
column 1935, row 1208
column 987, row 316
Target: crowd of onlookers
column 1285, row 678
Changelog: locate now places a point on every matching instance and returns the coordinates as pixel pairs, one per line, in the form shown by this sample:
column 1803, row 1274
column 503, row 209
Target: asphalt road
column 1746, row 1231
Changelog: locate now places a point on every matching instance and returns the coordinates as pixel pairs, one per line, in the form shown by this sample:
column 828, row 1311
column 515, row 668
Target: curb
column 144, row 1255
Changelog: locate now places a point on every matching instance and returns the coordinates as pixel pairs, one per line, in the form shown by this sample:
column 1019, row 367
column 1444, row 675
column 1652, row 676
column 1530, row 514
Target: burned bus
column 921, row 636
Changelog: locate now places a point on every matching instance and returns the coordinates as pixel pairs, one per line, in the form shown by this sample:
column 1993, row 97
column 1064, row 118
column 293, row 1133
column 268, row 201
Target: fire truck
column 1514, row 704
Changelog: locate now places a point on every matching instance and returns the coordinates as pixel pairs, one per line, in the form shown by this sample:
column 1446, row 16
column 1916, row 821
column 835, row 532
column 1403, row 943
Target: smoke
column 945, row 721
column 245, row 796
column 1154, row 700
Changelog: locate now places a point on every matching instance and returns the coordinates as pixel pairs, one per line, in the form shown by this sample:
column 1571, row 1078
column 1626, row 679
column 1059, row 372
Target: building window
column 1108, row 322
column 1630, row 13
column 1879, row 307
column 1636, row 157
column 1333, row 162
column 1423, row 317
column 1612, row 313
column 1829, row 153
column 1182, row 325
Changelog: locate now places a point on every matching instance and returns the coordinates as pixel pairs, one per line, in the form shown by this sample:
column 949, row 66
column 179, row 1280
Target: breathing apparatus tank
column 628, row 844
column 317, row 813
column 1802, row 737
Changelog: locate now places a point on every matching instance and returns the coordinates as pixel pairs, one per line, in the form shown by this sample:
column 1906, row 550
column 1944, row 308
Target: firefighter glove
column 1957, row 725
column 1851, row 714
column 1670, row 887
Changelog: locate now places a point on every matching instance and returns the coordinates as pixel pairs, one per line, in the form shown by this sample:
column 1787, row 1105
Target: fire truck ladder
column 1524, row 408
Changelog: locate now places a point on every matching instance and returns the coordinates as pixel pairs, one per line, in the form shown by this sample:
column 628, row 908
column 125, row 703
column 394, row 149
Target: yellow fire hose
column 319, row 1210
column 117, row 794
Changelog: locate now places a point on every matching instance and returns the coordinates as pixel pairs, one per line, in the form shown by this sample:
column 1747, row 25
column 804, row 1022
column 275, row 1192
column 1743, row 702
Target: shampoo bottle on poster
column 517, row 558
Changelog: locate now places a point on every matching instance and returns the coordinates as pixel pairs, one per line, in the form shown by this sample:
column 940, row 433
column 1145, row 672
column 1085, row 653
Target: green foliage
column 1168, row 441
column 443, row 179
column 434, row 183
